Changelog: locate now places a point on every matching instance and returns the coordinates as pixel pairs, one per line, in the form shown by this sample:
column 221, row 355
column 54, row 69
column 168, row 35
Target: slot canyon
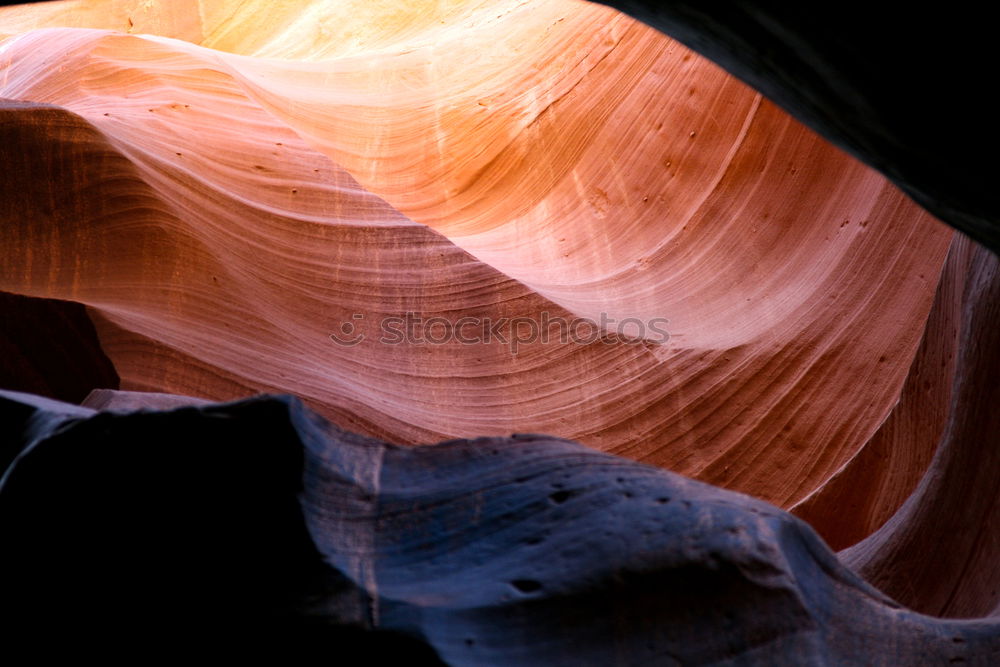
column 503, row 332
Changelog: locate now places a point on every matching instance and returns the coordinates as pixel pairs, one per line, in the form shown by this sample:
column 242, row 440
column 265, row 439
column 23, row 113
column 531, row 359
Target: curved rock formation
column 536, row 184
column 866, row 76
column 939, row 553
column 452, row 220
column 521, row 550
column 869, row 489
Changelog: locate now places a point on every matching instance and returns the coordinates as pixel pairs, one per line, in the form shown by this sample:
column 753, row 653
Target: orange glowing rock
column 227, row 190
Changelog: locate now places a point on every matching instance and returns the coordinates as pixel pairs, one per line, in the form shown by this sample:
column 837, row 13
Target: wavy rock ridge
column 242, row 195
column 423, row 173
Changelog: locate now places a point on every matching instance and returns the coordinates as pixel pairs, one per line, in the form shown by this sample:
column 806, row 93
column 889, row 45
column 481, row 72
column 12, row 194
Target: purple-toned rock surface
column 525, row 550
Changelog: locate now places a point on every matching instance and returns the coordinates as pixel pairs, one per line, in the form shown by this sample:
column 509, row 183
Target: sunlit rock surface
column 223, row 213
column 903, row 90
column 382, row 207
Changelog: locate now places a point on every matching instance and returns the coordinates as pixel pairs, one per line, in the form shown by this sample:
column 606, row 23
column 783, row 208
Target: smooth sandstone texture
column 901, row 88
column 226, row 190
column 863, row 75
column 223, row 207
column 939, row 553
column 527, row 550
column 868, row 490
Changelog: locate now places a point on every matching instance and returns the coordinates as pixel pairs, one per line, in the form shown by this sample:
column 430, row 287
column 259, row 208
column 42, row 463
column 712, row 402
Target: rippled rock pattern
column 212, row 199
column 223, row 207
column 867, row 76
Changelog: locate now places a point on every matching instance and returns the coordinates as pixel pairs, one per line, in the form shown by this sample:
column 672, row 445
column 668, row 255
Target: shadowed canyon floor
column 453, row 220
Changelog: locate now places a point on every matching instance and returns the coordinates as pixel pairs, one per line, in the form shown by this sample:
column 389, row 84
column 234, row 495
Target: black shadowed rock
column 527, row 550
